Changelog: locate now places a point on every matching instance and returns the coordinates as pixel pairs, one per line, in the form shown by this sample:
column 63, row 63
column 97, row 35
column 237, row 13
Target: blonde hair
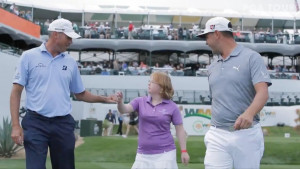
column 164, row 81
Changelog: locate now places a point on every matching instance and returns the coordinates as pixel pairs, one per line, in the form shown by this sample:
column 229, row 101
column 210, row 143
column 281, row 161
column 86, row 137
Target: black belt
column 34, row 113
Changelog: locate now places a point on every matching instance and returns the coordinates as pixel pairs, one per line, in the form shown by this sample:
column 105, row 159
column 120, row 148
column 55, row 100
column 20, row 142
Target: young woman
column 156, row 147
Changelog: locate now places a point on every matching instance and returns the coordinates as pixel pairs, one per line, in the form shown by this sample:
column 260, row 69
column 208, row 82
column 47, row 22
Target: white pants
column 110, row 127
column 166, row 160
column 241, row 149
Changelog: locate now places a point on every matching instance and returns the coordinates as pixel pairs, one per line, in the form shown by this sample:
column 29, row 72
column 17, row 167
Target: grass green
column 117, row 153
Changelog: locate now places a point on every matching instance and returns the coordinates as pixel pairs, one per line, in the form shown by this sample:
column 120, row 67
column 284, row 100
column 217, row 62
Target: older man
column 49, row 75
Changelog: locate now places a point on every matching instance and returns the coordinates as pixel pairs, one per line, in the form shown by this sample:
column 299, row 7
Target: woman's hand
column 185, row 158
column 119, row 97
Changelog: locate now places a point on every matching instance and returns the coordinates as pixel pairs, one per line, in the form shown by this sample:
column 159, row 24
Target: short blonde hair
column 164, row 81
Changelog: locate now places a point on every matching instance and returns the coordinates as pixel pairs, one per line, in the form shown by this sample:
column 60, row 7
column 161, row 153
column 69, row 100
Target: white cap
column 65, row 26
column 217, row 24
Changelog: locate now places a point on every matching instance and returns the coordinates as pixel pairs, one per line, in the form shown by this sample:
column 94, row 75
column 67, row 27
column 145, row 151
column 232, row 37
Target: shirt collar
column 149, row 98
column 44, row 49
column 236, row 51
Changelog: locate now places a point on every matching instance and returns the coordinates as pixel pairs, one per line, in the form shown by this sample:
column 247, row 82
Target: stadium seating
column 200, row 96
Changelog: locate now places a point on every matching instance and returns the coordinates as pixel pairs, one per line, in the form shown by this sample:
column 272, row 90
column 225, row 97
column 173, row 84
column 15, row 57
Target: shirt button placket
column 222, row 67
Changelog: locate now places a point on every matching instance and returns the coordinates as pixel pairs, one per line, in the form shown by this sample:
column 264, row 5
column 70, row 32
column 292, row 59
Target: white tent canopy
column 263, row 9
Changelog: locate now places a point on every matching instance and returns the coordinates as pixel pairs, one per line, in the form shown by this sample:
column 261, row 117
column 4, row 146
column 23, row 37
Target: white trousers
column 110, row 127
column 166, row 160
column 241, row 149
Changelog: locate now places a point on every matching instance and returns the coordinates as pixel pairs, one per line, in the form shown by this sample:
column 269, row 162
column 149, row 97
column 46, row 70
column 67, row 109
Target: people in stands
column 47, row 23
column 284, row 69
column 277, row 68
column 28, row 16
column 107, row 33
column 106, row 24
column 194, row 31
column 293, row 69
column 124, row 66
column 135, row 71
column 237, row 33
column 143, row 65
column 135, row 64
column 175, row 34
column 22, row 14
column 167, row 65
column 180, row 32
column 16, row 11
column 87, row 31
column 105, row 64
column 12, row 8
column 184, row 33
column 130, row 30
column 101, row 29
column 279, row 35
column 37, row 22
column 268, row 31
column 170, row 36
column 75, row 27
column 116, row 66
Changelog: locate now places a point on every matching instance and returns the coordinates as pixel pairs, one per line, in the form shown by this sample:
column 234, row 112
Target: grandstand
column 257, row 29
column 152, row 45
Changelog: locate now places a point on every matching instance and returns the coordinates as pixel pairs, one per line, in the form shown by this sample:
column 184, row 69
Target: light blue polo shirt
column 231, row 83
column 48, row 81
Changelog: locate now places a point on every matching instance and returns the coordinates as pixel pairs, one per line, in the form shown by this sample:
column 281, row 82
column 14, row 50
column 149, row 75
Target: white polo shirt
column 48, row 81
column 231, row 82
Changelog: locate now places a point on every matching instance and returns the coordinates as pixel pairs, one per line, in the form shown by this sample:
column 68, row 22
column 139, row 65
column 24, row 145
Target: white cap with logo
column 216, row 24
column 65, row 26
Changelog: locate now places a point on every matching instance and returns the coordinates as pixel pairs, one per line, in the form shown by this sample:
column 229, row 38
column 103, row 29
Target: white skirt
column 166, row 160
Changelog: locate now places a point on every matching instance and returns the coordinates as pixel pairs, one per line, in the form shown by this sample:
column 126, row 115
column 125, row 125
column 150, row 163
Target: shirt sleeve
column 76, row 85
column 258, row 70
column 176, row 117
column 22, row 72
column 135, row 103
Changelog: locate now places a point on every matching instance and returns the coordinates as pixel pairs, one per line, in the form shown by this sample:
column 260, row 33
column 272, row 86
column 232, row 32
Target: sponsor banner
column 271, row 116
column 196, row 118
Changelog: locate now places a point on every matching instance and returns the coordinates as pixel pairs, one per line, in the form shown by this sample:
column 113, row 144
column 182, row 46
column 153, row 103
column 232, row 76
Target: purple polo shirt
column 154, row 125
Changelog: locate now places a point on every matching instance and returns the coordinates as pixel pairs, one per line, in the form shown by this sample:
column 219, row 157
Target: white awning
column 262, row 9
